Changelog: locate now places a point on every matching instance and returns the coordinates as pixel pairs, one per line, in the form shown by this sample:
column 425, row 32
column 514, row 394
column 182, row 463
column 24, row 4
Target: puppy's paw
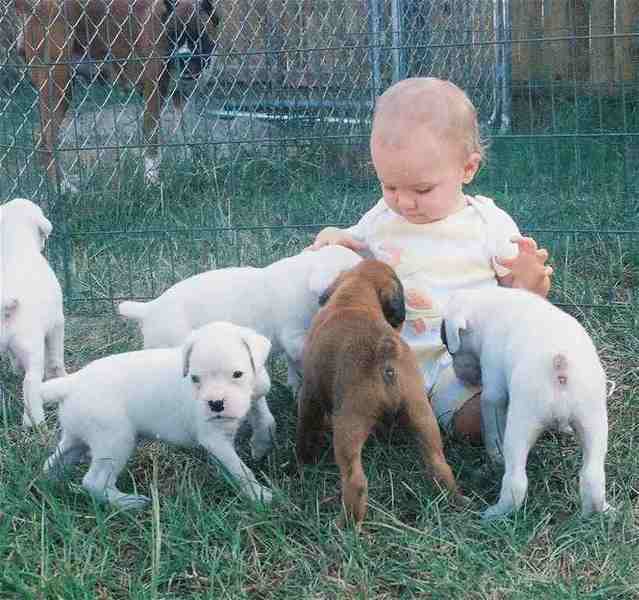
column 495, row 458
column 131, row 502
column 262, row 442
column 261, row 494
column 494, row 512
column 33, row 421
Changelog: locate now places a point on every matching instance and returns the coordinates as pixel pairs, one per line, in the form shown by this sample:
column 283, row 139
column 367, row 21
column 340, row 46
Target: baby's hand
column 528, row 269
column 333, row 236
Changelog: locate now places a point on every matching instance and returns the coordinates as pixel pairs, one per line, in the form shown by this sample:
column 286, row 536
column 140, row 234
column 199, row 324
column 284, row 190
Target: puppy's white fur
column 277, row 301
column 194, row 394
column 539, row 369
column 31, row 318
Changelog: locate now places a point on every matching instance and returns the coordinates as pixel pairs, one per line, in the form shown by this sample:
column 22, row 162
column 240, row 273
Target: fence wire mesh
column 265, row 139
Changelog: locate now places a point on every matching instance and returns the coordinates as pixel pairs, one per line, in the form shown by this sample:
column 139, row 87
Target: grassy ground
column 200, row 539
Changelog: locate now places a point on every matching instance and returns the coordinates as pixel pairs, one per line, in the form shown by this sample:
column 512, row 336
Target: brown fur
column 57, row 34
column 357, row 369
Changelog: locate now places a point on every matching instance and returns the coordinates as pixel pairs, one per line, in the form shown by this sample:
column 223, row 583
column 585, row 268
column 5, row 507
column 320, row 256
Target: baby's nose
column 404, row 200
column 216, row 405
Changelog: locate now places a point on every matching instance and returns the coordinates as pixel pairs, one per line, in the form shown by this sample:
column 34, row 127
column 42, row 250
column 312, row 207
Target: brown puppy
column 357, row 369
column 138, row 36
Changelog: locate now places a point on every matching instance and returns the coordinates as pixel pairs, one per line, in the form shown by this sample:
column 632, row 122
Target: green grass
column 201, row 539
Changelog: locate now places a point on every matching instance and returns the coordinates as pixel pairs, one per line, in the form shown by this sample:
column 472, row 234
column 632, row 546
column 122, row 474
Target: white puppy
column 31, row 318
column 277, row 301
column 539, row 368
column 194, row 394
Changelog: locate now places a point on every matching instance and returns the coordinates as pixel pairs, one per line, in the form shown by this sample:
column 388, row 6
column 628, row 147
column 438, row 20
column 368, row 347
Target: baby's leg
column 456, row 405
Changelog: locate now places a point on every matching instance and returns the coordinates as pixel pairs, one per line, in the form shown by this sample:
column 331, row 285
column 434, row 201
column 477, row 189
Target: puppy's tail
column 388, row 350
column 133, row 310
column 55, row 390
column 9, row 307
column 560, row 370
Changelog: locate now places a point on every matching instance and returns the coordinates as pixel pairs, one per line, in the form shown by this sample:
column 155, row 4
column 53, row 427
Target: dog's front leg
column 153, row 72
column 46, row 43
column 292, row 343
column 350, row 432
column 263, row 426
column 221, row 449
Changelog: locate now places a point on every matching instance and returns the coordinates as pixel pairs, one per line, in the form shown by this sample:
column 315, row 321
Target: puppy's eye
column 195, row 379
column 237, row 374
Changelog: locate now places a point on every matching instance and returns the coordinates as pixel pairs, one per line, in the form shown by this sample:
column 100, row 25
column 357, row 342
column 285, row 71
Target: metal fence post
column 399, row 60
column 501, row 116
column 374, row 30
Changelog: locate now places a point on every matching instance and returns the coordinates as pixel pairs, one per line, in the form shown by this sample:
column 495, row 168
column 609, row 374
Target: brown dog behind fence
column 138, row 39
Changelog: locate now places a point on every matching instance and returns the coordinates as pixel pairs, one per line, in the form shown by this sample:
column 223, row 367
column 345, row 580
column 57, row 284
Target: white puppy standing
column 539, row 368
column 31, row 318
column 194, row 394
column 277, row 301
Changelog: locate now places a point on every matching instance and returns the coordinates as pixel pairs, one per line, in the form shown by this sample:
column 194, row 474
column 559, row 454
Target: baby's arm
column 330, row 236
column 528, row 269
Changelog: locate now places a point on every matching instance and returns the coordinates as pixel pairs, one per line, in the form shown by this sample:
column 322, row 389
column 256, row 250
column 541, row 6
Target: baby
column 425, row 147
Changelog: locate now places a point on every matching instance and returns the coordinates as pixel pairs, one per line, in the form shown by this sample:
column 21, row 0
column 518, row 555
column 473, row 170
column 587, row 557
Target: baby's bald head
column 419, row 103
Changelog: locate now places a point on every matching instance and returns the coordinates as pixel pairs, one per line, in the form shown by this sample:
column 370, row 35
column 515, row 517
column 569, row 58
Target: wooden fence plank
column 627, row 48
column 558, row 55
column 602, row 48
column 527, row 24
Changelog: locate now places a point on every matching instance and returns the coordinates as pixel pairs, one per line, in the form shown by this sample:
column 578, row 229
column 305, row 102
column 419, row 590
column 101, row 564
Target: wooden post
column 558, row 55
column 627, row 48
column 527, row 56
column 581, row 28
column 602, row 49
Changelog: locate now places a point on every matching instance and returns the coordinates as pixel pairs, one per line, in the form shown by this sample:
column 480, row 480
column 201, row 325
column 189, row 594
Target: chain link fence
column 268, row 140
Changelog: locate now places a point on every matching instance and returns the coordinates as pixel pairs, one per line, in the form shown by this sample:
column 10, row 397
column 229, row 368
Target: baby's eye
column 237, row 374
column 425, row 191
column 195, row 379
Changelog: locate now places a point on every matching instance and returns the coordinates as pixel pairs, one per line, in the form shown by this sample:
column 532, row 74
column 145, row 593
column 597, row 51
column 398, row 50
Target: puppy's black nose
column 216, row 405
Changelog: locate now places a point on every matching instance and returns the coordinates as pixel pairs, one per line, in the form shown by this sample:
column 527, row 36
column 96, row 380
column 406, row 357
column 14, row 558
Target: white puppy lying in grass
column 194, row 394
column 539, row 368
column 31, row 318
column 277, row 301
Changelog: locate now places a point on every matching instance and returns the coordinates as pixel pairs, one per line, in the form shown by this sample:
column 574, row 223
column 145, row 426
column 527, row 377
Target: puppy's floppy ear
column 187, row 348
column 391, row 297
column 450, row 330
column 44, row 228
column 259, row 347
column 324, row 279
column 328, row 292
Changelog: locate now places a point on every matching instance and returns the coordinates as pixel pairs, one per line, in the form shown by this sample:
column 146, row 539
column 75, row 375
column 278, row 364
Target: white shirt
column 435, row 259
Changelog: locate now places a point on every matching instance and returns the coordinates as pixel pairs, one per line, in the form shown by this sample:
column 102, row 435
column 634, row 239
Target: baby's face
column 422, row 177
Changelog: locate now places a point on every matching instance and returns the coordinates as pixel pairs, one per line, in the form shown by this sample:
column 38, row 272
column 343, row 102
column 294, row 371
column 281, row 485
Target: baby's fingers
column 525, row 244
column 542, row 254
